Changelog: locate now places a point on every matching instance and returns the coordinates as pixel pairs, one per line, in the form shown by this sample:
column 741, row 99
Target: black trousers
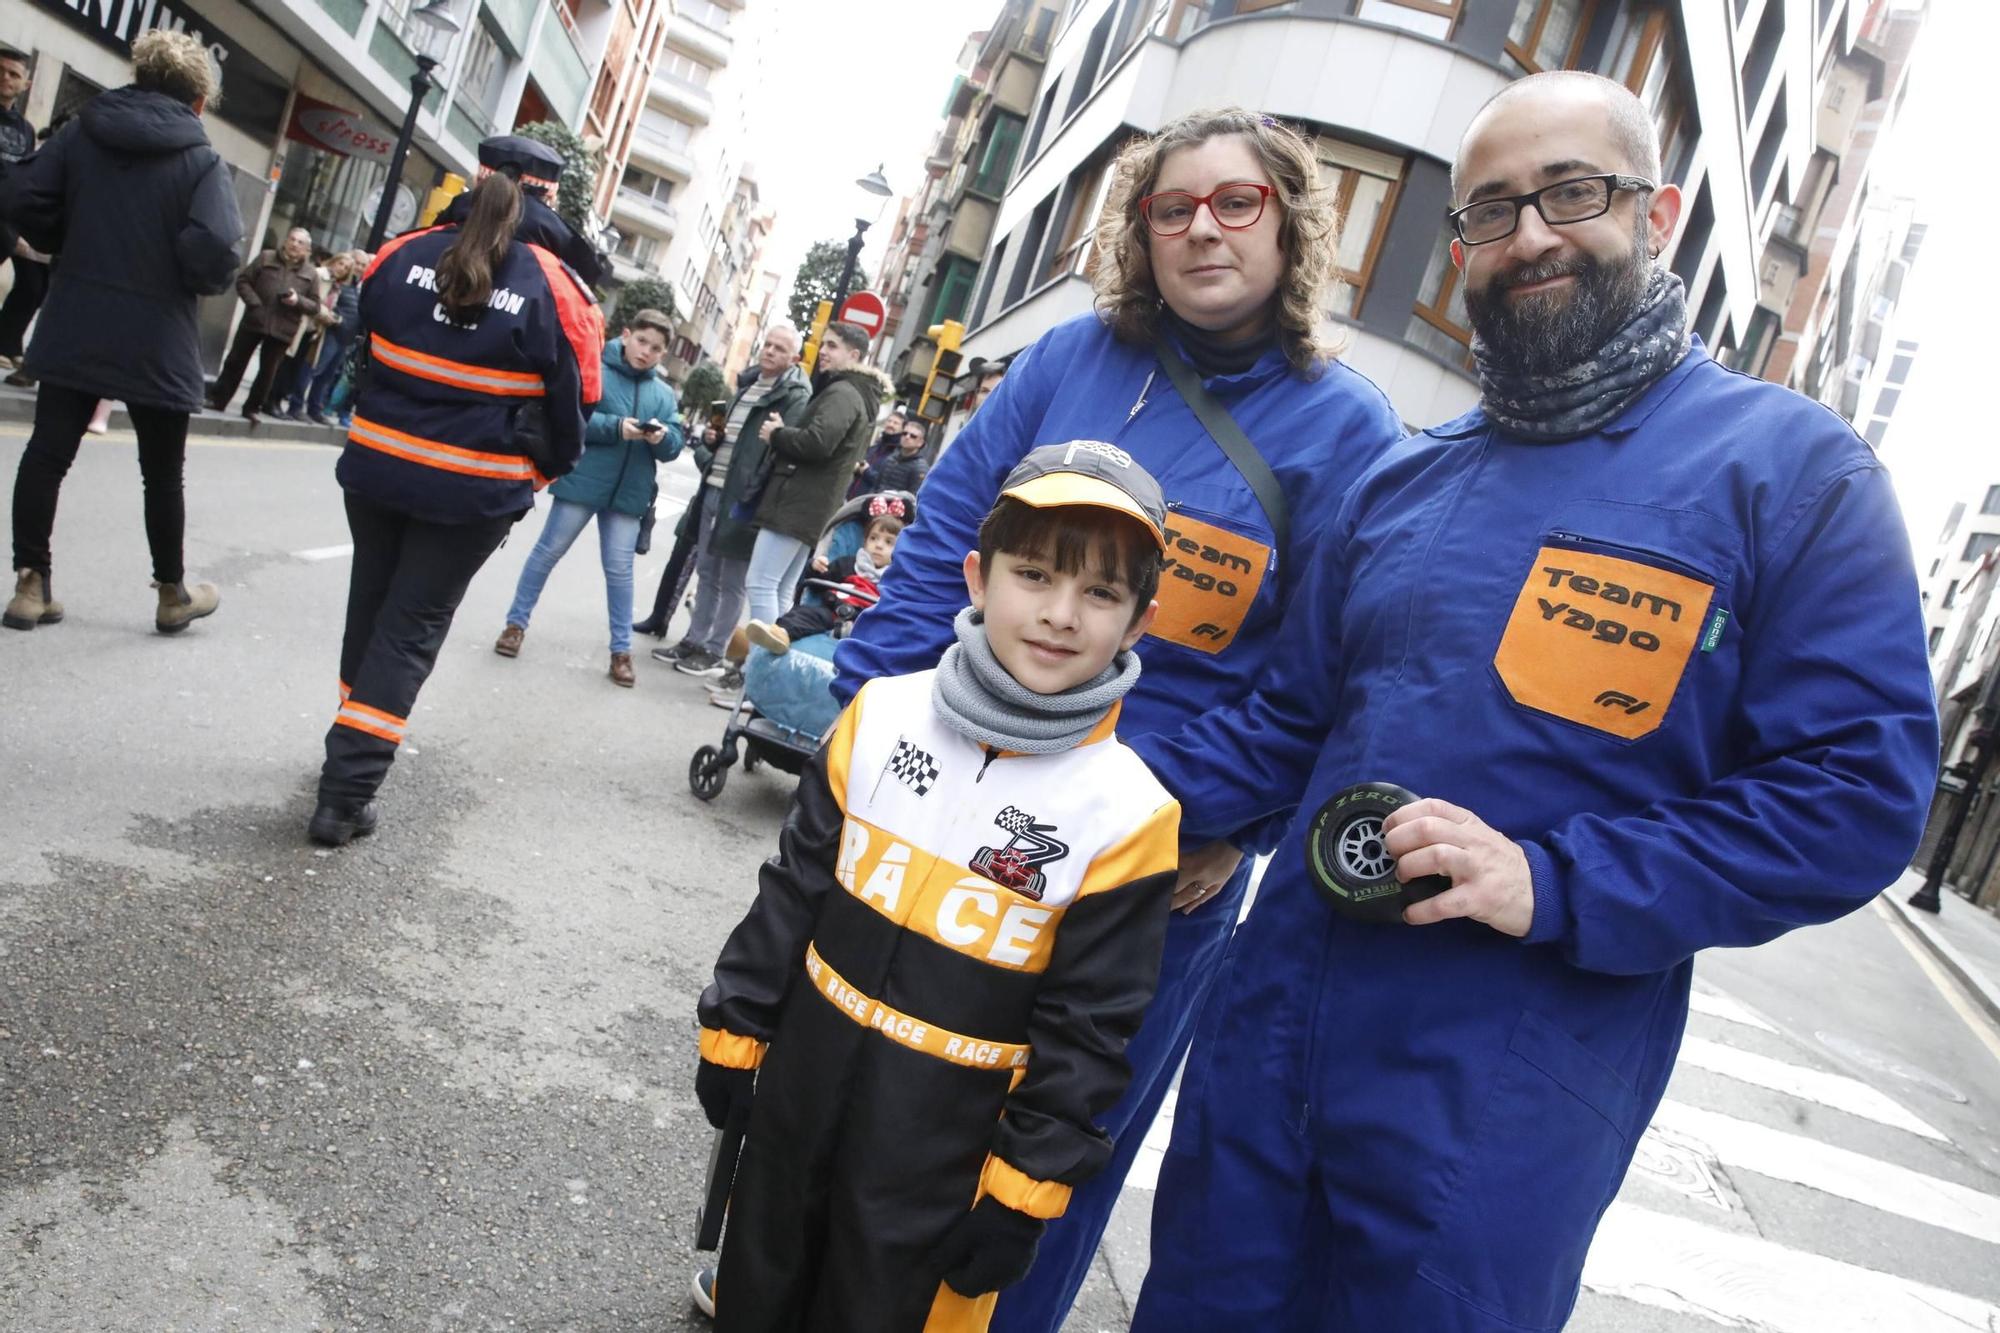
column 680, row 563
column 31, row 284
column 270, row 355
column 61, row 413
column 408, row 577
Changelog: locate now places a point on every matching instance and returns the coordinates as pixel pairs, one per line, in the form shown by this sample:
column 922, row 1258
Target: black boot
column 337, row 825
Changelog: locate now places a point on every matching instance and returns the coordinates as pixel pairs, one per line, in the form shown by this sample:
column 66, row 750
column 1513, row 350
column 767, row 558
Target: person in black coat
column 141, row 216
column 903, row 470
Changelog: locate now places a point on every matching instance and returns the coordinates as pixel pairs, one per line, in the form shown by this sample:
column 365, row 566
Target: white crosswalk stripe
column 1721, row 1272
column 1813, row 1085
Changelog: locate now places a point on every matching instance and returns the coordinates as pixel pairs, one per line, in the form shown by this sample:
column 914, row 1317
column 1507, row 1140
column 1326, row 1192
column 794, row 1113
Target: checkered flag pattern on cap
column 913, row 768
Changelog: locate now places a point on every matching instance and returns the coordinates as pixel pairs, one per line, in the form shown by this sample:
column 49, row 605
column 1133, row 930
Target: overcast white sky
column 1942, row 444
column 852, row 84
column 892, row 62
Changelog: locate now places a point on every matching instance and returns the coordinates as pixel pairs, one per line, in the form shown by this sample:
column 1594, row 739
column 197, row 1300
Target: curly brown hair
column 1129, row 301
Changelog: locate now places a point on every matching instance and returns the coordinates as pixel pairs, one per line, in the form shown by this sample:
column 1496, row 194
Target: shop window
column 1364, row 183
column 1428, row 18
column 1545, row 34
column 1439, row 323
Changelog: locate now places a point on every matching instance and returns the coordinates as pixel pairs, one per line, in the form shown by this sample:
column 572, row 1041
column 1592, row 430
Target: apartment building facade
column 1386, row 87
column 685, row 205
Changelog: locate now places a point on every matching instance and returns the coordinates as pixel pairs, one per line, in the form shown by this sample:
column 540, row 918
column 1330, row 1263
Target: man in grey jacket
column 810, row 466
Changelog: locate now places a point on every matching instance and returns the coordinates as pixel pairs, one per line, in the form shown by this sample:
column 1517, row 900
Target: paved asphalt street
column 443, row 1080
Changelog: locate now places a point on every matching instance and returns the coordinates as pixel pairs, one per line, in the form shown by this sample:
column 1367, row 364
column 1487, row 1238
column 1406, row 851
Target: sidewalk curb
column 1984, row 991
column 17, row 408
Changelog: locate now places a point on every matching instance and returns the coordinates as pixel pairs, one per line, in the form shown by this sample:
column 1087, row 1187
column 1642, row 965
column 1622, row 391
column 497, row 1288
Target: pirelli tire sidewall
column 1348, row 863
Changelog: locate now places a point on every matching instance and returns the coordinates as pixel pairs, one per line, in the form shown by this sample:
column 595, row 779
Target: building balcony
column 631, row 208
column 685, row 100
column 971, row 227
column 659, row 156
column 699, row 40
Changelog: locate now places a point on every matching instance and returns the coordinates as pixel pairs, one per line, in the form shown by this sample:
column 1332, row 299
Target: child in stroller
column 837, row 590
column 787, row 702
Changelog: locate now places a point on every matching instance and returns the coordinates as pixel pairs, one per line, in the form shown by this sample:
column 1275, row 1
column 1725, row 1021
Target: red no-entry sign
column 865, row 309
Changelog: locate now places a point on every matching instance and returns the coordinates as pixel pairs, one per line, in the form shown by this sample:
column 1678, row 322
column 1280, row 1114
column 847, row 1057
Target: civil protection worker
column 537, row 169
column 1644, row 634
column 1217, row 247
column 482, row 353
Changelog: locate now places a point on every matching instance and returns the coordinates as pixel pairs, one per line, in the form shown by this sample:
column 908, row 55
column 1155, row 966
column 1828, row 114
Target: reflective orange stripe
column 374, row 721
column 449, row 457
column 391, row 247
column 345, row 690
column 458, row 374
column 901, row 1028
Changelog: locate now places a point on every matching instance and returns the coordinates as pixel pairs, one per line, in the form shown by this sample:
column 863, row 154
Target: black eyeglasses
column 1560, row 204
column 913, row 435
column 1235, row 206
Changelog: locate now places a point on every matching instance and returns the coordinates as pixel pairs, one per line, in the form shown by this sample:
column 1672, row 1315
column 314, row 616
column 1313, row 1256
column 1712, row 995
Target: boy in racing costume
column 931, row 996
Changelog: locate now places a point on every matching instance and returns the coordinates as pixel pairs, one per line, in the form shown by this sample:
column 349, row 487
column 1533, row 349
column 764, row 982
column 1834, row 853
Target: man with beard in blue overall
column 1644, row 634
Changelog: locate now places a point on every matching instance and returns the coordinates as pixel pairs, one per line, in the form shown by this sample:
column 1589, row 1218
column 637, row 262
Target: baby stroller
column 787, row 703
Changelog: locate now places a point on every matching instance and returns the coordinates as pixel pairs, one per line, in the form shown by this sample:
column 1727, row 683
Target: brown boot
column 181, row 604
column 509, row 642
column 31, row 604
column 621, row 670
column 771, row 638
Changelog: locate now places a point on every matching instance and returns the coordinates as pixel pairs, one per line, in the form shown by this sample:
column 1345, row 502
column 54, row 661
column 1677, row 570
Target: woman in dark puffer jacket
column 140, row 214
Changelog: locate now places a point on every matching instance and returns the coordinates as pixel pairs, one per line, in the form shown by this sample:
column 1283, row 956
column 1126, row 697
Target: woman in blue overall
column 1215, row 252
column 632, row 429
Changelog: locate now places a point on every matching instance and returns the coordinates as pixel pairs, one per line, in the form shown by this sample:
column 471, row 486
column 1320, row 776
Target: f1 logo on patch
column 1601, row 641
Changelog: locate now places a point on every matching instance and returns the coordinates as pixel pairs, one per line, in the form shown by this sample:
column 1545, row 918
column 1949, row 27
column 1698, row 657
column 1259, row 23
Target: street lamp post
column 436, row 18
column 1985, row 722
column 876, row 185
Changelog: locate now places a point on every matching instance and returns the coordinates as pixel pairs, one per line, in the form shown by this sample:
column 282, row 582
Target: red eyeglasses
column 1235, row 206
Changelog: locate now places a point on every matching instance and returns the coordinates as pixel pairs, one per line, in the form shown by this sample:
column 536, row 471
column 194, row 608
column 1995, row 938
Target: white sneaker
column 703, row 1291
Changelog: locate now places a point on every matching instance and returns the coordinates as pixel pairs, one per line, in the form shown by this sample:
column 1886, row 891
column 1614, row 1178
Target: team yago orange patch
column 1600, row 640
column 1211, row 578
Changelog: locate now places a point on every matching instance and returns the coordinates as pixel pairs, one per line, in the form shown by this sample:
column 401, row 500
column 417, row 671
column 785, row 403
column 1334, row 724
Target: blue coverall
column 1077, row 382
column 1681, row 661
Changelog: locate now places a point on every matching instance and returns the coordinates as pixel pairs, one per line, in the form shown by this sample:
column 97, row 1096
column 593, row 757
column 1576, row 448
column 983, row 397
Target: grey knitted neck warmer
column 865, row 566
column 975, row 697
column 1576, row 401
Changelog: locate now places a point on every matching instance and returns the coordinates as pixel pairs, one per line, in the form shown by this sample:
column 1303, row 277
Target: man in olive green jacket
column 810, row 466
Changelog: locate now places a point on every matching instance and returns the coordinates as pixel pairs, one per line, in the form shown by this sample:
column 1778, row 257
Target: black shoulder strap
column 1215, row 418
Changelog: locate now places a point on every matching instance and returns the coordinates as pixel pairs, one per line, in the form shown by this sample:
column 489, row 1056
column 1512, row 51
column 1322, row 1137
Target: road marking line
column 1744, row 1281
column 1854, row 1176
column 1953, row 994
column 1721, row 1006
column 1837, row 1091
column 325, row 553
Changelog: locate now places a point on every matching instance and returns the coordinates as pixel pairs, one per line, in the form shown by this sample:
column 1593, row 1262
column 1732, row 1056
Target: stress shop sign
column 338, row 130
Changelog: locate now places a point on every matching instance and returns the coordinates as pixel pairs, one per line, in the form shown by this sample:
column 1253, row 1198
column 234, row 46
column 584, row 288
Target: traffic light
column 809, row 354
column 934, row 404
column 440, row 198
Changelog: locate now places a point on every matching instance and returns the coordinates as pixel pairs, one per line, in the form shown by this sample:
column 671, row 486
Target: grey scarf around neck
column 975, row 697
column 1576, row 401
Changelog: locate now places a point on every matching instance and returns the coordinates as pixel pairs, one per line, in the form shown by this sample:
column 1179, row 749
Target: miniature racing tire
column 1350, row 864
column 707, row 772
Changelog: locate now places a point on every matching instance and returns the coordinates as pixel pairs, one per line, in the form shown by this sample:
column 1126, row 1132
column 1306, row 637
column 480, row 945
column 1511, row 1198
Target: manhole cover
column 1869, row 1058
column 1682, row 1164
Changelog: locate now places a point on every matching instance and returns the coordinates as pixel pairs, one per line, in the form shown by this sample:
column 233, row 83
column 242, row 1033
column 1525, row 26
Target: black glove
column 991, row 1247
column 721, row 1090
